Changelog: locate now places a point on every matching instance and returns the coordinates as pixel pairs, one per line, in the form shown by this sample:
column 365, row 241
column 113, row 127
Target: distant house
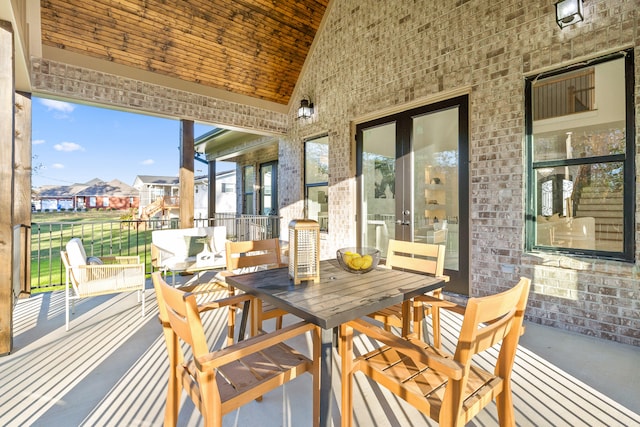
column 151, row 188
column 114, row 195
column 94, row 194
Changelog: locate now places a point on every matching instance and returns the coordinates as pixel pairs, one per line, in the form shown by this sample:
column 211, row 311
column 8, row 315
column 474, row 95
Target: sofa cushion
column 218, row 238
column 171, row 242
column 75, row 252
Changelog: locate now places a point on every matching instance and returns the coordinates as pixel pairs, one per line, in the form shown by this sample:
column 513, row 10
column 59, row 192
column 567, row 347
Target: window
column 580, row 139
column 92, row 201
column 316, row 181
column 248, row 181
column 269, row 188
column 105, row 202
column 227, row 187
column 565, row 94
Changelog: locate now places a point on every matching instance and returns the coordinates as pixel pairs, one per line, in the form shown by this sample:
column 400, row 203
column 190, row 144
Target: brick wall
column 72, row 82
column 375, row 56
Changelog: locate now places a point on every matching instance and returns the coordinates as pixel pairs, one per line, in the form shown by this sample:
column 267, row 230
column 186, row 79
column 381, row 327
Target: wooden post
column 22, row 188
column 7, row 89
column 187, row 153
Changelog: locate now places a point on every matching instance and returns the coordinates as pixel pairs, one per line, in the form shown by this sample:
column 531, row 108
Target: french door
column 413, row 182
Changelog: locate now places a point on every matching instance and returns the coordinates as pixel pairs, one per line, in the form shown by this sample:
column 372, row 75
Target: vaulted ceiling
column 253, row 48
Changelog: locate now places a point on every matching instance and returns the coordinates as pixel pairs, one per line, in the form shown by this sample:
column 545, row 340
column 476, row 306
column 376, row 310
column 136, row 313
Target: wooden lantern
column 304, row 250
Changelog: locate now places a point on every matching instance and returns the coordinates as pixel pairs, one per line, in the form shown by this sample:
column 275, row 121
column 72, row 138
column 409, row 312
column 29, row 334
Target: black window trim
column 628, row 158
column 304, row 173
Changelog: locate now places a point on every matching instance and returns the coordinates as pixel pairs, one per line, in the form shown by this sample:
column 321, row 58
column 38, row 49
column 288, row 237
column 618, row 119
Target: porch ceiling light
column 569, row 12
column 306, row 109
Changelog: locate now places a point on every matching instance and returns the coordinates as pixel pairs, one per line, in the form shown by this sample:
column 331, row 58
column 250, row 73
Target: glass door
column 413, row 182
column 376, row 163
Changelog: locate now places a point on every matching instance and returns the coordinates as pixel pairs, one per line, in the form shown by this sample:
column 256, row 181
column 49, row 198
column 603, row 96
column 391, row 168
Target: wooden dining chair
column 205, row 290
column 249, row 256
column 422, row 258
column 447, row 388
column 223, row 380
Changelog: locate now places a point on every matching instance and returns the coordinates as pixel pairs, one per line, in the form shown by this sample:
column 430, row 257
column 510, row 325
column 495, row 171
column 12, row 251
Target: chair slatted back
column 489, row 320
column 253, row 253
column 417, row 257
column 449, row 390
column 180, row 310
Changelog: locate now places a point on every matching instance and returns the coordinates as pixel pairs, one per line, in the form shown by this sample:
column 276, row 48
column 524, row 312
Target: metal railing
column 126, row 237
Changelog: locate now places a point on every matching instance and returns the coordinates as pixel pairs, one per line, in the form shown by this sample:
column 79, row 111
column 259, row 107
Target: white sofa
column 188, row 249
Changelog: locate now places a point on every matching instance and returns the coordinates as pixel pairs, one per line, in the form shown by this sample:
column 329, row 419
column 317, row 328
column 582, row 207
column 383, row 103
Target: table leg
column 243, row 321
column 326, row 366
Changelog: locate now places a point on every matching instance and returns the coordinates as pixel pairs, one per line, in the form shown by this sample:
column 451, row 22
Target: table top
column 340, row 296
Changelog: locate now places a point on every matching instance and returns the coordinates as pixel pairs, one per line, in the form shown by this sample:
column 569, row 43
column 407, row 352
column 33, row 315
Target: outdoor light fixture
column 306, row 109
column 569, row 12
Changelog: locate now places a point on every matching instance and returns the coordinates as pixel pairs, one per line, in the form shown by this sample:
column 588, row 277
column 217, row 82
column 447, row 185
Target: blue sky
column 76, row 143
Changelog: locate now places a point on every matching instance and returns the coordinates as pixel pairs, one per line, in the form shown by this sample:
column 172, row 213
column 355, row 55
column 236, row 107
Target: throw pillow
column 94, row 260
column 195, row 244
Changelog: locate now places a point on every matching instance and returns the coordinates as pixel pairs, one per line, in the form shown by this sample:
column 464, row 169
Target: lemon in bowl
column 358, row 260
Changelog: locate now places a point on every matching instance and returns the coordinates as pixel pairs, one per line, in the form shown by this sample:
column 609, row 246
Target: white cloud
column 57, row 166
column 63, row 107
column 37, row 141
column 68, row 146
column 147, row 162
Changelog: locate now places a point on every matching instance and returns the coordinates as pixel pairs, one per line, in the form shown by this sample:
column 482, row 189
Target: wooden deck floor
column 110, row 369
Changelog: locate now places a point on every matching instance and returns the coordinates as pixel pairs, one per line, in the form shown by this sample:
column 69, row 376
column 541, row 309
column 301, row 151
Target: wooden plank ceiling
column 248, row 47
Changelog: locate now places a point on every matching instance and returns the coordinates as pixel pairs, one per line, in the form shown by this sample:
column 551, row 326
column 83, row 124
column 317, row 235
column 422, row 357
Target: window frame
column 627, row 159
column 248, row 195
column 324, row 228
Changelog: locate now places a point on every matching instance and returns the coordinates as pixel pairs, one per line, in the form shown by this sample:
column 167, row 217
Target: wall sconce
column 306, row 109
column 569, row 12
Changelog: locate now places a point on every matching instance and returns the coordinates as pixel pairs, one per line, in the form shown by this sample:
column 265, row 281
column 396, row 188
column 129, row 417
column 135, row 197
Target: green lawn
column 102, row 233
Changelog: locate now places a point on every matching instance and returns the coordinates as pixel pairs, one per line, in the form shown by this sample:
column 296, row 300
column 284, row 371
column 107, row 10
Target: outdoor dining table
column 337, row 298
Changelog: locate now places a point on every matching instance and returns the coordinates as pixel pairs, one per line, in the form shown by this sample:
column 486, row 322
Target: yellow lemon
column 357, row 262
column 367, row 260
column 347, row 257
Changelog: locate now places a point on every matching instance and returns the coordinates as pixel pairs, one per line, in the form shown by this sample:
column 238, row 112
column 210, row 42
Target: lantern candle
column 304, row 250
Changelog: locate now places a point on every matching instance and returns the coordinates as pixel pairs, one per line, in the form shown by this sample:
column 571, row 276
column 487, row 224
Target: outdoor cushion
column 75, row 252
column 218, row 239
